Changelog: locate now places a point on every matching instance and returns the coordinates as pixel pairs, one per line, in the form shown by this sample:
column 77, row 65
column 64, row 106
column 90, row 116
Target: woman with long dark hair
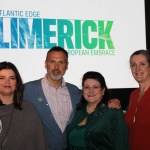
column 20, row 126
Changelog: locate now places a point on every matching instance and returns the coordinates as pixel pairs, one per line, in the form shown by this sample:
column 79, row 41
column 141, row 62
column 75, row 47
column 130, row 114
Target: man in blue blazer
column 54, row 99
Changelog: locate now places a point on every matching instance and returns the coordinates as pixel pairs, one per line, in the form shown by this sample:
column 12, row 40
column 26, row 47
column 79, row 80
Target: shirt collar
column 63, row 84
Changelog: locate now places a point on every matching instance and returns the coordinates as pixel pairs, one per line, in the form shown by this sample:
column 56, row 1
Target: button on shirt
column 59, row 102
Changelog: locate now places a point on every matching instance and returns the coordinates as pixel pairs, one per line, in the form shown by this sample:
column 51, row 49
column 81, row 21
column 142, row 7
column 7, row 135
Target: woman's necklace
column 5, row 139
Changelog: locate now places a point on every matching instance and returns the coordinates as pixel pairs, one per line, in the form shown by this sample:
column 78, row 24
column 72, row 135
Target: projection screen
column 99, row 35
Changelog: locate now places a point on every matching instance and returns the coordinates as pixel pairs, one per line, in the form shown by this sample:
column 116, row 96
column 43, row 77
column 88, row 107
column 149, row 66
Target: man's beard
column 56, row 77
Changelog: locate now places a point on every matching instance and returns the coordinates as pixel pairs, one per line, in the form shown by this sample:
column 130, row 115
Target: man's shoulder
column 34, row 82
column 74, row 91
column 70, row 85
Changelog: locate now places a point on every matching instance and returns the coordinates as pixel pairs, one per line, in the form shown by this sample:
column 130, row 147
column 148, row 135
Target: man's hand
column 114, row 103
